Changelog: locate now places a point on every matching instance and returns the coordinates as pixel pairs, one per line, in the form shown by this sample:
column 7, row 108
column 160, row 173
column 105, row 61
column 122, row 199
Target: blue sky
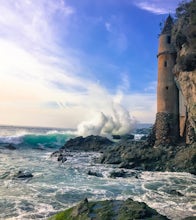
column 65, row 61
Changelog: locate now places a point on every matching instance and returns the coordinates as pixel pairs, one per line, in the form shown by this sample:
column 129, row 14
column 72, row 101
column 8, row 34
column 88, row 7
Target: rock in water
column 90, row 143
column 23, row 174
column 91, row 173
column 109, row 210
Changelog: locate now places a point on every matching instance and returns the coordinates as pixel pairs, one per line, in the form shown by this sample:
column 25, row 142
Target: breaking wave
column 52, row 138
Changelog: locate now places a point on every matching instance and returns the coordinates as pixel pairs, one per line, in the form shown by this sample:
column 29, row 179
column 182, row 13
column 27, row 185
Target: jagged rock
column 90, row 143
column 23, row 174
column 115, row 174
column 161, row 158
column 61, row 158
column 91, row 173
column 123, row 174
column 126, row 165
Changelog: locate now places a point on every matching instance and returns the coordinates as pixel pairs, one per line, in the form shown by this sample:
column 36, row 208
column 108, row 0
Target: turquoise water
column 56, row 186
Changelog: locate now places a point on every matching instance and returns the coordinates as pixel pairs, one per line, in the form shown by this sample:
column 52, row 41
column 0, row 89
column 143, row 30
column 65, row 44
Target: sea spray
column 119, row 122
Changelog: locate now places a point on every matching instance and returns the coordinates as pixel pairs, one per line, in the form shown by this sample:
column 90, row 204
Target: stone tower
column 167, row 118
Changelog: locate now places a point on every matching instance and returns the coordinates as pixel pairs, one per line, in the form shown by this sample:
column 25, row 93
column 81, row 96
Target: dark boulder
column 90, row 143
column 91, row 173
column 62, row 158
column 124, row 174
column 109, row 209
column 116, row 136
column 23, row 175
column 120, row 173
column 10, row 147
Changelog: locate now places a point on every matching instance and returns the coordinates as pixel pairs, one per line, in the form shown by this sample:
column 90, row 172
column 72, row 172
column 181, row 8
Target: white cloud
column 117, row 35
column 40, row 83
column 158, row 6
column 30, row 22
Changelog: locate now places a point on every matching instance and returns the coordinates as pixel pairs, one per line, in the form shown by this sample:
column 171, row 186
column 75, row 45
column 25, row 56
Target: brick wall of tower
column 167, row 118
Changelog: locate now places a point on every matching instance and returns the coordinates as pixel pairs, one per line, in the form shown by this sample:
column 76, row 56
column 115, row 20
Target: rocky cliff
column 184, row 40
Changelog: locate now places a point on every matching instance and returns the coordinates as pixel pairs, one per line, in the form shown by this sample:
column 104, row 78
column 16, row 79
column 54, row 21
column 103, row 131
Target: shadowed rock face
column 90, row 143
column 184, row 40
column 130, row 154
column 109, row 210
column 140, row 155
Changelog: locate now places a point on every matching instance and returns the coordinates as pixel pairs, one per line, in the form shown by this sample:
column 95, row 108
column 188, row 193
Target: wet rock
column 124, row 174
column 10, row 147
column 116, row 137
column 61, row 158
column 190, row 218
column 91, row 173
column 108, row 210
column 143, row 138
column 126, row 165
column 175, row 192
column 132, row 154
column 120, row 173
column 23, row 174
column 90, row 143
column 81, row 208
column 55, row 154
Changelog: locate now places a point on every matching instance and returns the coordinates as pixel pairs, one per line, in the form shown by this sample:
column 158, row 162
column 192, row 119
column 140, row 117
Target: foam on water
column 56, row 186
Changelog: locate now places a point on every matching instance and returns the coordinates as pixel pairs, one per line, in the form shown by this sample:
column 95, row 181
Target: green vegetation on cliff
column 184, row 35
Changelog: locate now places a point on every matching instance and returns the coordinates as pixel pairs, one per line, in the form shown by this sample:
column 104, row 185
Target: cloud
column 157, row 6
column 44, row 84
column 117, row 37
column 29, row 22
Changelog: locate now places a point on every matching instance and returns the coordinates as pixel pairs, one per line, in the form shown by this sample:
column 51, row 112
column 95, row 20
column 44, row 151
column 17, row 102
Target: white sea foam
column 57, row 186
column 11, row 139
column 119, row 122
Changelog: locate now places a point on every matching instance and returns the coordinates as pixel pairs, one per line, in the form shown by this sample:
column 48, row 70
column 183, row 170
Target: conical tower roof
column 168, row 25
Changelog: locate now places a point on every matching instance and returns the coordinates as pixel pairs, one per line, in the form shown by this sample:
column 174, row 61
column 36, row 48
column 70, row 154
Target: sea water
column 56, row 186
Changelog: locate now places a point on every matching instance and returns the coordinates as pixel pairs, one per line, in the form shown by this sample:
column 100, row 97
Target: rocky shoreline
column 108, row 210
column 131, row 154
column 126, row 154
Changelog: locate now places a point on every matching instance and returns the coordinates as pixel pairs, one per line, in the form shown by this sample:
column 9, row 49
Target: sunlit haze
column 63, row 62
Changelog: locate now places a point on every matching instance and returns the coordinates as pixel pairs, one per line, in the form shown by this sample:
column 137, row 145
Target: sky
column 63, row 62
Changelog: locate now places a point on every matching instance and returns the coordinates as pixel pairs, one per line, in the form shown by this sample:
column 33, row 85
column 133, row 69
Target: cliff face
column 187, row 83
column 184, row 40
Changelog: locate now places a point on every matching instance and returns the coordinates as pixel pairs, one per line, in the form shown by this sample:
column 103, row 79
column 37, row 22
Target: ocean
column 56, row 186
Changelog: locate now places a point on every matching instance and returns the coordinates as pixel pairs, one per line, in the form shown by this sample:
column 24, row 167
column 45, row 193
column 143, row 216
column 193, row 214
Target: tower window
column 169, row 39
column 167, row 87
column 165, row 64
